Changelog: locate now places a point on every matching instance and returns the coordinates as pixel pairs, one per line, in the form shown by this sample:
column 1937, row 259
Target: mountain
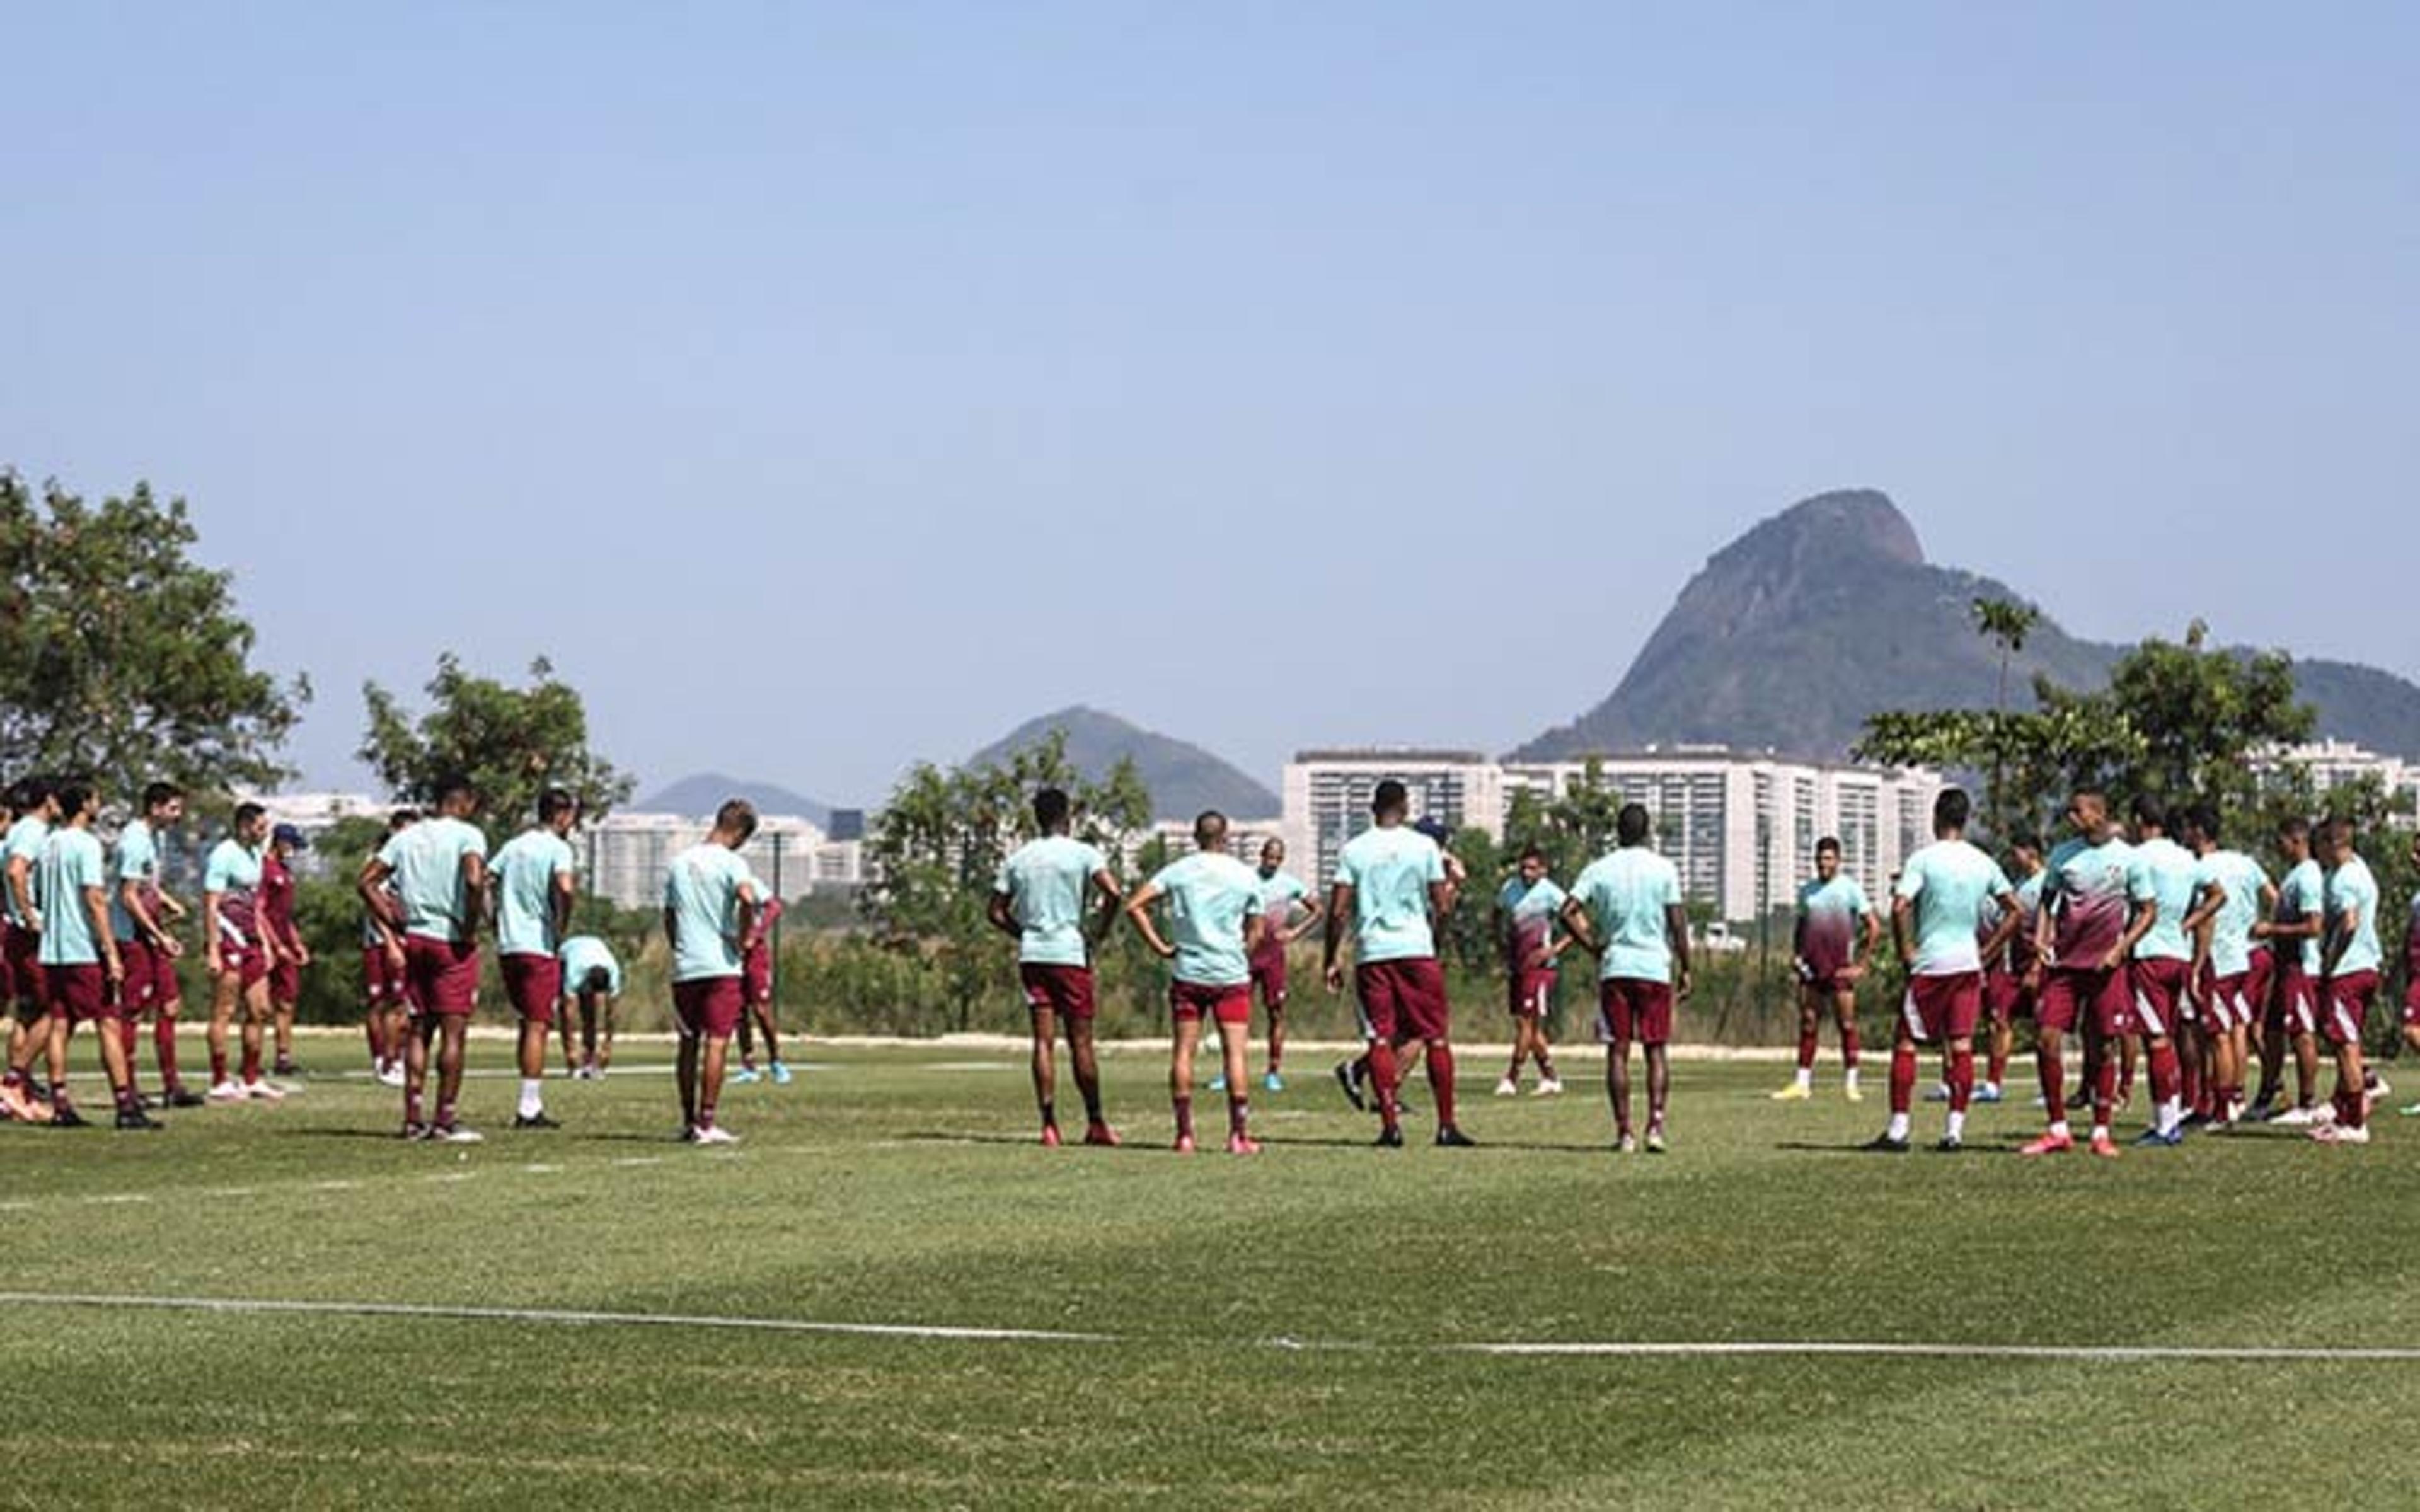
column 703, row 793
column 1827, row 613
column 1184, row 779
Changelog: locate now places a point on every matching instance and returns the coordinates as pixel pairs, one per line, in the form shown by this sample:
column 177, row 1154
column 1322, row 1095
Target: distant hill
column 1183, row 777
column 1827, row 613
column 703, row 793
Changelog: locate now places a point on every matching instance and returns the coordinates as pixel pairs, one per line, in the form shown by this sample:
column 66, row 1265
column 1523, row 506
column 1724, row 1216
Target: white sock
column 2100, row 1131
column 1898, row 1129
column 1991, row 1088
column 2060, row 1130
column 1806, row 1078
column 1849, row 1078
column 533, row 1103
column 2171, row 1114
column 1957, row 1124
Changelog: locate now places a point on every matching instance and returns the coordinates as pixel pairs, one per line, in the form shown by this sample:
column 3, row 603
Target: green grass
column 1283, row 1327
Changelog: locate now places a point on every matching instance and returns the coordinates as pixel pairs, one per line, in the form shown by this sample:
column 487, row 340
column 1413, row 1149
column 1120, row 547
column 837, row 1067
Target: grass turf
column 1284, row 1328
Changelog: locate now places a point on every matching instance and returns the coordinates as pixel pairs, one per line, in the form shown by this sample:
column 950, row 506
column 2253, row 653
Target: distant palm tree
column 2006, row 622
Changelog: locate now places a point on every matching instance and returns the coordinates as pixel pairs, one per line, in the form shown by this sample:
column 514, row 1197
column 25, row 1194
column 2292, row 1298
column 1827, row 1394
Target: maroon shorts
column 1827, row 986
column 2159, row 994
column 1269, row 975
column 1231, row 1003
column 707, row 1005
column 1533, row 994
column 440, row 977
column 2003, row 997
column 285, row 981
column 1401, row 1000
column 2258, row 981
column 2347, row 1000
column 80, row 992
column 246, row 964
column 140, row 988
column 1066, row 990
column 22, row 953
column 2298, row 1005
column 2069, row 993
column 381, row 983
column 1633, row 1009
column 2227, row 1004
column 756, row 975
column 1942, row 1008
column 531, row 984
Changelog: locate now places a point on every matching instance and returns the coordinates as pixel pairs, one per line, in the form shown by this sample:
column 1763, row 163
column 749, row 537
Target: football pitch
column 888, row 1295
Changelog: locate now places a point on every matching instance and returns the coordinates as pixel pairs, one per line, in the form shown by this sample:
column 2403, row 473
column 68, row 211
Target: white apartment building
column 1742, row 827
column 627, row 854
column 2336, row 763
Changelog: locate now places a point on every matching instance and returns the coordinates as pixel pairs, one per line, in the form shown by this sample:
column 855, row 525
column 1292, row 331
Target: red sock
column 251, row 1063
column 218, row 1066
column 1239, row 1113
column 2051, row 1070
column 1962, row 1079
column 1382, row 1076
column 1441, row 1082
column 2352, row 1107
column 1183, row 1117
column 1807, row 1049
column 164, row 1044
column 1902, row 1077
column 2104, row 1088
column 2166, row 1073
column 2196, row 1091
column 1848, row 1050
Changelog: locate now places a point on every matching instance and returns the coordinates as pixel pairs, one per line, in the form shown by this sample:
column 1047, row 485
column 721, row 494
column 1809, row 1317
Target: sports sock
column 1897, row 1127
column 1957, row 1129
column 2194, row 1092
column 1440, row 1065
column 1382, row 1072
column 1849, row 1050
column 410, row 1106
column 163, row 1046
column 250, row 1064
column 1239, row 1113
column 445, row 1114
column 2104, row 1088
column 1961, row 1082
column 1049, row 1114
column 2167, row 1115
column 1092, row 1103
column 2166, row 1074
column 1546, row 1069
column 532, row 1099
column 2051, row 1071
column 1805, row 1077
column 1806, row 1055
column 128, row 1100
column 218, row 1067
column 1183, row 1117
column 1902, row 1078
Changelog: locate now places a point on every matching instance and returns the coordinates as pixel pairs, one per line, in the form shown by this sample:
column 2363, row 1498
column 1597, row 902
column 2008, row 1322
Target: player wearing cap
column 81, row 966
column 277, row 924
column 1937, row 908
column 2012, row 975
column 1283, row 896
column 1837, row 931
column 140, row 916
column 239, row 953
column 2350, row 957
column 2293, row 1014
column 592, row 982
column 1627, row 910
column 710, row 919
column 534, row 882
column 756, row 983
column 1529, row 922
column 1214, row 912
column 36, row 807
column 1392, row 888
column 440, row 870
column 383, row 1011
column 2230, row 892
column 1038, row 899
column 2163, row 884
column 2089, row 925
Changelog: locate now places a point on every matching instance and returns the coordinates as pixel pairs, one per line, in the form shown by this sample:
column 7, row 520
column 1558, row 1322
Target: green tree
column 512, row 743
column 122, row 658
column 936, row 849
column 2007, row 624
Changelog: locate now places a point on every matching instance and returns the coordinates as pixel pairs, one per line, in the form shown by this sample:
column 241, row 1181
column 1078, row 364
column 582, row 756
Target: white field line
column 1685, row 1348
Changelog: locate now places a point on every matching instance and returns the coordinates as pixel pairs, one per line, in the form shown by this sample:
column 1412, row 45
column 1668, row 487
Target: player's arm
column 1903, row 930
column 2146, row 912
column 559, row 901
column 2002, row 934
column 1138, row 908
column 1441, row 897
column 1859, row 953
column 1340, row 909
column 1676, row 927
column 1256, row 929
column 2207, row 902
column 130, row 897
column 1580, row 928
column 474, row 883
column 21, row 887
column 748, row 910
column 2347, row 921
column 1112, row 896
column 997, row 916
column 671, row 929
column 1311, row 911
column 210, row 930
column 96, row 908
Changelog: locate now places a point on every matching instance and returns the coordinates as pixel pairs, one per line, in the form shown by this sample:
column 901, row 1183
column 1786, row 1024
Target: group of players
column 94, row 938
column 2175, row 953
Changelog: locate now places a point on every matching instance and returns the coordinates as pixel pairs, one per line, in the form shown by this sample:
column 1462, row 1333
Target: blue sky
column 826, row 388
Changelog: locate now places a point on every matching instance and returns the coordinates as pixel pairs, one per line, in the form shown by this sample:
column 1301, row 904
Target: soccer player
column 2012, row 976
column 1282, row 895
column 1627, row 910
column 1213, row 911
column 2231, row 892
column 383, row 1012
column 1528, row 916
column 277, row 924
column 1038, row 898
column 239, row 953
column 2350, row 960
column 592, row 982
column 141, row 914
column 1937, row 909
column 710, row 919
column 1837, row 933
column 36, row 807
column 2293, row 1014
column 535, row 881
column 2164, row 882
column 757, row 981
column 440, row 870
column 2088, row 930
column 81, row 966
column 2411, row 975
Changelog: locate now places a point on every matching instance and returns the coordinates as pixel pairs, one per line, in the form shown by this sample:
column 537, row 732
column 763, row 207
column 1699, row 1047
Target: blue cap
column 1434, row 828
column 289, row 835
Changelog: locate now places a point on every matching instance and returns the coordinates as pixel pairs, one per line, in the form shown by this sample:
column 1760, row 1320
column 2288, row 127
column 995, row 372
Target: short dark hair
column 1952, row 808
column 736, row 814
column 450, row 785
column 598, row 980
column 2294, row 826
column 1533, row 852
column 554, row 803
column 2025, row 840
column 2338, row 830
column 1390, row 796
column 72, row 796
column 1829, row 842
column 2204, row 817
column 1631, row 826
column 2151, row 809
column 246, row 813
column 1210, row 830
column 160, row 793
column 400, row 818
column 29, row 792
column 1051, row 808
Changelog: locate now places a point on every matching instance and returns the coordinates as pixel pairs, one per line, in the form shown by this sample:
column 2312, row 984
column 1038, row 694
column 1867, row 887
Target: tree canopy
column 511, row 743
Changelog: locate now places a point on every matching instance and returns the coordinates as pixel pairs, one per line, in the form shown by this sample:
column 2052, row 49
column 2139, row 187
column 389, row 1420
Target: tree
column 934, row 855
column 2007, row 624
column 120, row 657
column 511, row 743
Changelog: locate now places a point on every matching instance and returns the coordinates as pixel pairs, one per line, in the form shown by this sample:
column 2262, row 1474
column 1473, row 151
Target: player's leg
column 530, row 1111
column 1509, row 1085
column 1659, row 1093
column 417, row 1032
column 567, row 1006
column 1381, row 1010
column 1907, row 1034
column 1844, row 1016
column 1653, row 1024
column 285, row 993
column 1044, row 1020
column 688, row 1013
column 255, row 1013
column 1274, row 1000
column 1811, row 1002
column 226, row 994
column 1235, row 1018
column 1432, row 1019
column 602, row 1048
column 1186, row 1037
column 722, row 1003
column 761, row 1009
column 1541, row 1042
column 1085, row 1060
column 747, row 1071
